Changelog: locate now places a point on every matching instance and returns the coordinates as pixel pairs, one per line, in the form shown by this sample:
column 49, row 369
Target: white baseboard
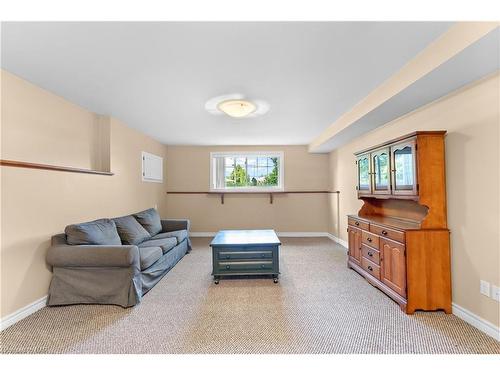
column 338, row 240
column 23, row 312
column 483, row 325
column 283, row 234
column 302, row 234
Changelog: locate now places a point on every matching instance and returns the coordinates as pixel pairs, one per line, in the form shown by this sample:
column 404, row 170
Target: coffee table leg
column 216, row 280
column 275, row 279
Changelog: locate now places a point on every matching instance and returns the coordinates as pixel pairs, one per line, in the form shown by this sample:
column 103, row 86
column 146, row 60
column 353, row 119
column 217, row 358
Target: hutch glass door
column 403, row 169
column 364, row 172
column 381, row 175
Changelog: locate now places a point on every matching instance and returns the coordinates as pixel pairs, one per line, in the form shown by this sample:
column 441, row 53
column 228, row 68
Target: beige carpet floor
column 319, row 306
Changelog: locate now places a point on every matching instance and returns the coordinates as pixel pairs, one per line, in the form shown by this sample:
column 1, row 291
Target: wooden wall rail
column 24, row 164
column 270, row 193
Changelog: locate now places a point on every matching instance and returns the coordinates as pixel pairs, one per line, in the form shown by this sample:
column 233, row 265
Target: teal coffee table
column 245, row 252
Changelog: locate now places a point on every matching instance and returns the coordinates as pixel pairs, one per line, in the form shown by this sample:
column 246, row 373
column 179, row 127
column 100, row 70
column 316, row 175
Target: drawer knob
column 370, row 254
column 356, row 223
column 262, row 255
column 370, row 268
column 369, row 239
column 228, row 267
column 384, row 232
column 227, row 257
column 262, row 266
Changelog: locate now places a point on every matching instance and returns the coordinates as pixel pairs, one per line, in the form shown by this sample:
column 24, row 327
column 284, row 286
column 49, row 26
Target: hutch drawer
column 370, row 239
column 387, row 232
column 358, row 223
column 370, row 267
column 371, row 254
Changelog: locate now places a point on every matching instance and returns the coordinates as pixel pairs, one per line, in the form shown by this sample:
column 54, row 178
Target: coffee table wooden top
column 245, row 237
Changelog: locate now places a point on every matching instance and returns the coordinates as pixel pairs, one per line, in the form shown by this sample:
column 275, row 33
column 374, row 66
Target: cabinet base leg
column 404, row 309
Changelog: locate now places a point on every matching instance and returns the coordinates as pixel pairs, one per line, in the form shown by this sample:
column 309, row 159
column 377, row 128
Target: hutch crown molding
column 399, row 240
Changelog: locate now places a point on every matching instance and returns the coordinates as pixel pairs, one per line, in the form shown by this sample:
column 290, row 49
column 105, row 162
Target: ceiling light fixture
column 237, row 107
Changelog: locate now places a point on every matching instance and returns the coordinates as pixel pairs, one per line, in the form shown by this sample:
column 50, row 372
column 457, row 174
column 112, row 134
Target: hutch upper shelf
column 390, row 170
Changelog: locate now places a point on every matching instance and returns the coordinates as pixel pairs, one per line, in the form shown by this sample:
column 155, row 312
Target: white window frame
column 248, row 189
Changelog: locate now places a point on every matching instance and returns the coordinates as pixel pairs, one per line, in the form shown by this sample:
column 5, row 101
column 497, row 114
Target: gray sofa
column 114, row 261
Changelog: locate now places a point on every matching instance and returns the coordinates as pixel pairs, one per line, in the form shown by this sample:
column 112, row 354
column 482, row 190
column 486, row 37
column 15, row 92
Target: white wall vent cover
column 152, row 167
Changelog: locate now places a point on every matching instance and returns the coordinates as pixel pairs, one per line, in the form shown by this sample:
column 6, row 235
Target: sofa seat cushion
column 180, row 235
column 166, row 244
column 130, row 231
column 150, row 220
column 98, row 232
column 149, row 256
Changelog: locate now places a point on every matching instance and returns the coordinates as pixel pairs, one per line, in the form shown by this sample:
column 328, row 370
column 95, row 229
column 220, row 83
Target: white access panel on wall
column 152, row 167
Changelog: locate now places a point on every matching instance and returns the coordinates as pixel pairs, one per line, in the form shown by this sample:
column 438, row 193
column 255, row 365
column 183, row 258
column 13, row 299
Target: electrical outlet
column 495, row 293
column 484, row 288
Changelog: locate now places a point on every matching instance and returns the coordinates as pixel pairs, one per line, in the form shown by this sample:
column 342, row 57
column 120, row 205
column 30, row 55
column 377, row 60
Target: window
column 246, row 171
column 152, row 167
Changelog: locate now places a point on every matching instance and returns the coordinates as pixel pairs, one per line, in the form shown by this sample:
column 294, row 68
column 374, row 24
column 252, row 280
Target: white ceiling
column 157, row 76
column 473, row 63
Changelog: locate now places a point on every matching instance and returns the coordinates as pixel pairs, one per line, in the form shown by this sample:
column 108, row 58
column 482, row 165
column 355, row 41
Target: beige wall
column 188, row 169
column 471, row 117
column 38, row 126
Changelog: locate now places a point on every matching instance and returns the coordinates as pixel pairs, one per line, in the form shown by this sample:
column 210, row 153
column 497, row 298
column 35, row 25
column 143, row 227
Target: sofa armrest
column 93, row 256
column 170, row 225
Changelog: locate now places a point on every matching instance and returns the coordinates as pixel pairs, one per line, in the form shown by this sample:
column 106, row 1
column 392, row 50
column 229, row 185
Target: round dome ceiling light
column 236, row 107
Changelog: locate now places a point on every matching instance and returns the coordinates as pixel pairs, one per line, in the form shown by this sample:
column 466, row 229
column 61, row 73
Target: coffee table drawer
column 228, row 255
column 229, row 267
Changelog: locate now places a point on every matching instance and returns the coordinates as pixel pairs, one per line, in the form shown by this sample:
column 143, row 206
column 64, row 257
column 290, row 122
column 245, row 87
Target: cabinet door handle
column 384, row 232
column 370, row 268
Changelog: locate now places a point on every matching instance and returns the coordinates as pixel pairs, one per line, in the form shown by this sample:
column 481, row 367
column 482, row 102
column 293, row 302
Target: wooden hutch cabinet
column 399, row 240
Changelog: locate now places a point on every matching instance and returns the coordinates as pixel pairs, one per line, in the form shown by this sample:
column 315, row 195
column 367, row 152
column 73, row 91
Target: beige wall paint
column 188, row 169
column 38, row 126
column 471, row 117
column 28, row 135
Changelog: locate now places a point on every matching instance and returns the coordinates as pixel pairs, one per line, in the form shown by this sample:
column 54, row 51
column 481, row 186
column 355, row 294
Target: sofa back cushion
column 150, row 220
column 98, row 232
column 130, row 231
